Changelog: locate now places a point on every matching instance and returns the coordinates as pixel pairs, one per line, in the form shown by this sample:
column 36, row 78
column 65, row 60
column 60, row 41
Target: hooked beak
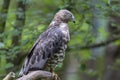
column 73, row 19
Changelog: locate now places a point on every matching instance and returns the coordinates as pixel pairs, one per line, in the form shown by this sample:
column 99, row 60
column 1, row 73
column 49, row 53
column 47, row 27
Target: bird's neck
column 56, row 23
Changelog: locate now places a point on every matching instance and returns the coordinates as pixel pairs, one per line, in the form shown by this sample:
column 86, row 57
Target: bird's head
column 64, row 16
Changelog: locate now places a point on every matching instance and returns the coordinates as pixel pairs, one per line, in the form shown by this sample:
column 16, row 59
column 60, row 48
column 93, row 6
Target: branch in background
column 6, row 49
column 100, row 44
column 92, row 45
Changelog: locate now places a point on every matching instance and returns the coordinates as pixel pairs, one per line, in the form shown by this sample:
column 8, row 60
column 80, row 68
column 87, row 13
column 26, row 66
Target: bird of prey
column 49, row 49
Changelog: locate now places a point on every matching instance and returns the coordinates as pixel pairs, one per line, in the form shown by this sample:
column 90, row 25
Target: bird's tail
column 24, row 69
column 21, row 73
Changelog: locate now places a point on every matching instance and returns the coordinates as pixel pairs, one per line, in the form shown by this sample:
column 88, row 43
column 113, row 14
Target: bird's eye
column 69, row 15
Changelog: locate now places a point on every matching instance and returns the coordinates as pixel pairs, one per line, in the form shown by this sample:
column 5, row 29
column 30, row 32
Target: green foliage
column 39, row 13
column 4, row 64
column 82, row 67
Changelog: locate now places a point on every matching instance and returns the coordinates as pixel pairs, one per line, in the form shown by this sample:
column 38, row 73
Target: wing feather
column 46, row 45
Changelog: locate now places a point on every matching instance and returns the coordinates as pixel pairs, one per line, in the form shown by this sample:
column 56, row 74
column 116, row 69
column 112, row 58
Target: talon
column 55, row 76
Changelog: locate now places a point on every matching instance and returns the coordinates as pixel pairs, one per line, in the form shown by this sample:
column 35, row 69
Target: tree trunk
column 98, row 23
column 113, row 50
column 20, row 22
column 3, row 16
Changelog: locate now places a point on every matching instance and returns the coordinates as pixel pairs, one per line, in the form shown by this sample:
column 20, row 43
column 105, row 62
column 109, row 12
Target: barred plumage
column 49, row 49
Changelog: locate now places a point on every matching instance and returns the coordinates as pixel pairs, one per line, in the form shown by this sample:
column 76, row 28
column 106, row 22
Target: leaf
column 2, row 60
column 117, row 62
column 82, row 67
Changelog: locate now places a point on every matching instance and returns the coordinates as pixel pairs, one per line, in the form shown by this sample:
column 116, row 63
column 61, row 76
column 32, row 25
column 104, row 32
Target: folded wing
column 46, row 45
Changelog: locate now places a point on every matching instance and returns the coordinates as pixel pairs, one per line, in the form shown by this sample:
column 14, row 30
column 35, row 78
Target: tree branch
column 6, row 49
column 10, row 76
column 100, row 44
column 34, row 75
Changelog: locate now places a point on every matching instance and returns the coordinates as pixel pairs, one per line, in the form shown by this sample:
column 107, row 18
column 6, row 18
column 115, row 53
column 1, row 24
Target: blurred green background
column 94, row 50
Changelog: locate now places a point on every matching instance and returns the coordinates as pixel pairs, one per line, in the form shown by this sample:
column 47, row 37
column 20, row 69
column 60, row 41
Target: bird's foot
column 55, row 76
